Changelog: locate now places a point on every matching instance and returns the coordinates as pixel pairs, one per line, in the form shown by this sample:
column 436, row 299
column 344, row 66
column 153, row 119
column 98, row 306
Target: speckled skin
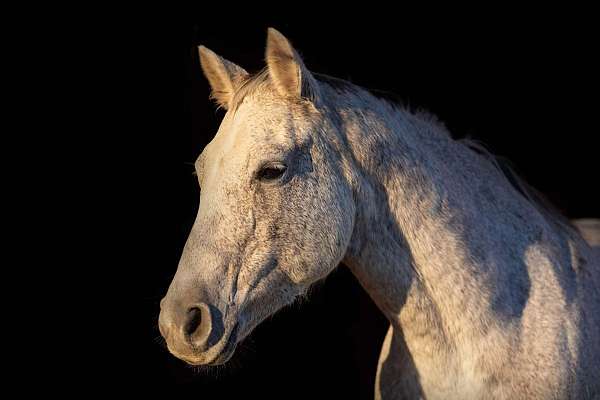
column 487, row 297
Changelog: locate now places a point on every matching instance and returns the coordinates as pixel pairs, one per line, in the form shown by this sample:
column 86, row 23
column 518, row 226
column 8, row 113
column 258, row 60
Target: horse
column 489, row 293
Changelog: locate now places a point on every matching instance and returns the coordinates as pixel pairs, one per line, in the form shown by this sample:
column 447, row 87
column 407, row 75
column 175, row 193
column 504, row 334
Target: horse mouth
column 220, row 357
column 228, row 349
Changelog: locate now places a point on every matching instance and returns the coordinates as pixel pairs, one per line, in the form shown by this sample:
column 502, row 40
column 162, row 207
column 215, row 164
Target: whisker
column 161, row 342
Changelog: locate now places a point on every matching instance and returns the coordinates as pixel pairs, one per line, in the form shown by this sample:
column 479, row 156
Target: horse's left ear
column 286, row 69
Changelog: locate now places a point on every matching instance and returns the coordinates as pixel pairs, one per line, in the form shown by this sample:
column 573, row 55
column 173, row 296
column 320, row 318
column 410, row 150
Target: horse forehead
column 254, row 124
column 264, row 116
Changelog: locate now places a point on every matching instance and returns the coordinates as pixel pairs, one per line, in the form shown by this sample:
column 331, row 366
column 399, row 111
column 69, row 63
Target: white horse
column 489, row 295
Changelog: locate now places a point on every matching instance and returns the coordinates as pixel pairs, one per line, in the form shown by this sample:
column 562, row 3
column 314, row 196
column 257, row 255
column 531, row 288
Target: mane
column 261, row 80
column 548, row 210
column 501, row 165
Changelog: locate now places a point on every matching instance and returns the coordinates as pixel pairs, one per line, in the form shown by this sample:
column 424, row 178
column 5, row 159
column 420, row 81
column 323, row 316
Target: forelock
column 261, row 82
column 254, row 83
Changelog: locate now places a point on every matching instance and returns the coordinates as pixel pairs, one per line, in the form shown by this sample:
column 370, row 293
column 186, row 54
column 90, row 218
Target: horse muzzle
column 196, row 333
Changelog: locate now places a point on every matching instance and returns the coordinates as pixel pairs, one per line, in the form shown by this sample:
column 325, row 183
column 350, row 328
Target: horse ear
column 286, row 69
column 224, row 76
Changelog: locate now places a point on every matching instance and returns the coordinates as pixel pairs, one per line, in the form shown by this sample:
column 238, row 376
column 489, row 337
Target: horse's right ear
column 224, row 76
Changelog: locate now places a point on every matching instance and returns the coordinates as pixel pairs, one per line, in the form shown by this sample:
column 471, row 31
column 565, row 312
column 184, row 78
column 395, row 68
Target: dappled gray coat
column 489, row 295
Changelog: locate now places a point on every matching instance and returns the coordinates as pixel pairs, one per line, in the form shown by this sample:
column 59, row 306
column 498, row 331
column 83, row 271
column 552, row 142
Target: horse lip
column 220, row 358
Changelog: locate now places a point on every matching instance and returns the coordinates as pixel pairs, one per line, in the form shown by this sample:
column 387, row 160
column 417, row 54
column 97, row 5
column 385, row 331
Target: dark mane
column 341, row 85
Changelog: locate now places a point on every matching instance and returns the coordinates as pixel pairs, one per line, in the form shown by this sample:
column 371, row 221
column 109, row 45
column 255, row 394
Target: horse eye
column 271, row 172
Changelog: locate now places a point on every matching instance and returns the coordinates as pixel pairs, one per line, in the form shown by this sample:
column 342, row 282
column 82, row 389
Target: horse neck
column 425, row 204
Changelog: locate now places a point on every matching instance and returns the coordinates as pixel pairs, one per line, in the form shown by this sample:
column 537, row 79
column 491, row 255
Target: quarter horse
column 489, row 294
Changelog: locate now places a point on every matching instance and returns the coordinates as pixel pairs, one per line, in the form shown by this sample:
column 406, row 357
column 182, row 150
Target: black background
column 523, row 83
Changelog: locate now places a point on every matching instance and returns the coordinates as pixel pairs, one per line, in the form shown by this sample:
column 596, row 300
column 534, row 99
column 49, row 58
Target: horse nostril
column 198, row 326
column 194, row 321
